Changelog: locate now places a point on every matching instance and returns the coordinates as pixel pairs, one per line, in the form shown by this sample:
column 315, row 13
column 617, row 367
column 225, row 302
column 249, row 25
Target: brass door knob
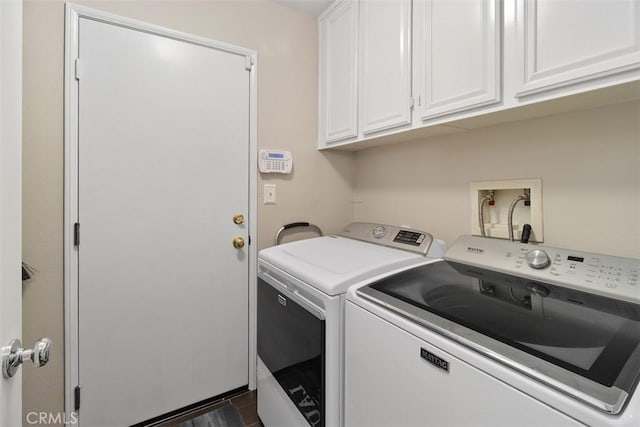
column 238, row 242
column 238, row 219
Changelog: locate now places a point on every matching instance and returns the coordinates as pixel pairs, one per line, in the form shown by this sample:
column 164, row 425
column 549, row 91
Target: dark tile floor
column 245, row 404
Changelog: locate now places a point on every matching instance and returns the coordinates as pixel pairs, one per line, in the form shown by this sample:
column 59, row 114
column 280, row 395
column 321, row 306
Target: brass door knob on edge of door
column 238, row 242
column 238, row 219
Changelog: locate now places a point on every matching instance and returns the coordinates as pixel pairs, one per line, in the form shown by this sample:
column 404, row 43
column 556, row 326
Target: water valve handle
column 526, row 233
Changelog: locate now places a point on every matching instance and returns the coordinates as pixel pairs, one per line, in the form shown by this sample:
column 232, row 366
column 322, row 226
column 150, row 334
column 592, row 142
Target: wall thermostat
column 275, row 161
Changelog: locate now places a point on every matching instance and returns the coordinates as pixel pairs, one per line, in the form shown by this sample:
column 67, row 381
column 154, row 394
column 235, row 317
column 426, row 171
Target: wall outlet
column 496, row 215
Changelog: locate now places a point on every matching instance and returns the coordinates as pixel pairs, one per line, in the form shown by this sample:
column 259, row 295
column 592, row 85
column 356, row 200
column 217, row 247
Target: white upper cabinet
column 457, row 55
column 393, row 70
column 566, row 42
column 385, row 65
column 338, row 106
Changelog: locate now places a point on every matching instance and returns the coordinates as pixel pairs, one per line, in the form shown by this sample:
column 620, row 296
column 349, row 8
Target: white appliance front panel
column 519, row 384
column 438, row 389
column 332, row 263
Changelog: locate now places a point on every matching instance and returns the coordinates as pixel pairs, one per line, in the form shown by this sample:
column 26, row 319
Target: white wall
column 589, row 162
column 319, row 190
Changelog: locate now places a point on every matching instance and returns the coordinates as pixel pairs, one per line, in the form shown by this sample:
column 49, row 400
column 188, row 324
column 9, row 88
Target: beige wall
column 319, row 190
column 589, row 162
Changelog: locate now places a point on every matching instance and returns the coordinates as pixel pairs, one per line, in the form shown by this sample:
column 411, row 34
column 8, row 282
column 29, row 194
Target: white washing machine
column 496, row 334
column 301, row 287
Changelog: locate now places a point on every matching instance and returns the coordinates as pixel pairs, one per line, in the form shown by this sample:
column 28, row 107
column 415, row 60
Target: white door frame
column 72, row 15
column 10, row 199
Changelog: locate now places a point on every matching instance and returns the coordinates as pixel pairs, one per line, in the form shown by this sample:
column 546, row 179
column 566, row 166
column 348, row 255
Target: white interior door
column 163, row 166
column 10, row 200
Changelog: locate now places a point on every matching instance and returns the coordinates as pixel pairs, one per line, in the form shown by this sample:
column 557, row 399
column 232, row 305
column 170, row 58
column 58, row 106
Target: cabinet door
column 385, row 65
column 338, row 73
column 457, row 55
column 571, row 41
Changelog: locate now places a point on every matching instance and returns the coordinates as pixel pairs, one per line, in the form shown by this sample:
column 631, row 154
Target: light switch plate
column 269, row 194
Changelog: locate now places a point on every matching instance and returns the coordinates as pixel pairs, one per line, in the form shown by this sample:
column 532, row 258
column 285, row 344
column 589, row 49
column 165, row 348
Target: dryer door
column 291, row 344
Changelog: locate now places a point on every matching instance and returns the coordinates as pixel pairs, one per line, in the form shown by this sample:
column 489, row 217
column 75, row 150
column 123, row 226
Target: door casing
column 72, row 15
column 10, row 200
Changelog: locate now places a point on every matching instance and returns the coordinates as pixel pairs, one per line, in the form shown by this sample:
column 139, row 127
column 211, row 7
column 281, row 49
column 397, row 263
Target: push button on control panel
column 633, row 277
column 608, row 275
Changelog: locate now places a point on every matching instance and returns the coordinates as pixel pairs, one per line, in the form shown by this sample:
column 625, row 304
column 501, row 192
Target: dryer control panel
column 396, row 237
column 606, row 275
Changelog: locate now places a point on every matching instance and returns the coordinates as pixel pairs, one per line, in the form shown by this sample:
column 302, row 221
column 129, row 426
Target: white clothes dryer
column 301, row 288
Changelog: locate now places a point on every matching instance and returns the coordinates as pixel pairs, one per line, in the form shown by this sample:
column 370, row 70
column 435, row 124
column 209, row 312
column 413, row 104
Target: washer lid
column 333, row 263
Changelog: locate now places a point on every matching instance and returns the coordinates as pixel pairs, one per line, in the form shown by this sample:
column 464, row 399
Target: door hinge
column 248, row 62
column 77, row 68
column 76, row 398
column 76, row 234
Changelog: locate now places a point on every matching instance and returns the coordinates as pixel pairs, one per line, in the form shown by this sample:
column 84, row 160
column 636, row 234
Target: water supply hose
column 512, row 206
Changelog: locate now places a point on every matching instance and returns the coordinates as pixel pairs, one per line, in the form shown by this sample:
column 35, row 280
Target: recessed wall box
column 496, row 214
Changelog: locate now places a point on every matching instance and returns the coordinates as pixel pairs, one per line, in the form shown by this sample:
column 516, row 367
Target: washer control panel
column 393, row 236
column 601, row 274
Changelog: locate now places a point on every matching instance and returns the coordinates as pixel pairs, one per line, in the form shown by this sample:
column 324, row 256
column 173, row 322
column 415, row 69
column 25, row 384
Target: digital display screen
column 575, row 258
column 276, row 155
column 409, row 237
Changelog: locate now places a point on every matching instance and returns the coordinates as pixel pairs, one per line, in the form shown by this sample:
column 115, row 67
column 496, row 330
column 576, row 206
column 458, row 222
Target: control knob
column 537, row 258
column 379, row 232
